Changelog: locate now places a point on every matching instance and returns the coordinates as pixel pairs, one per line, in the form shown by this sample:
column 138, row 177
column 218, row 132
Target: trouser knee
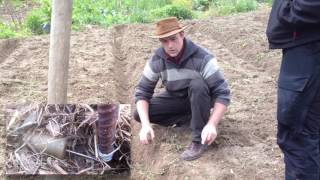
column 198, row 87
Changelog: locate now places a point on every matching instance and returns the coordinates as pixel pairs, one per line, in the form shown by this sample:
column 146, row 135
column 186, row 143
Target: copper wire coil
column 106, row 126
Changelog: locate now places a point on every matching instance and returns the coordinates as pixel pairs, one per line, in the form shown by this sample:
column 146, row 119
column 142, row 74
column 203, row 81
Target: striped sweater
column 196, row 62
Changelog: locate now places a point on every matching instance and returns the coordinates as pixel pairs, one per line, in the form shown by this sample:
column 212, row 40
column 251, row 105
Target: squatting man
column 193, row 84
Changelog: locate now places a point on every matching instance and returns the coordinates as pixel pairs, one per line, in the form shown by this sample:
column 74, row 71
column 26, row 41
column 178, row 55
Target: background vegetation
column 109, row 12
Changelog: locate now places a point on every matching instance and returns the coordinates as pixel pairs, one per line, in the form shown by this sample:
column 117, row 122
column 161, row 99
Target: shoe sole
column 194, row 157
column 191, row 158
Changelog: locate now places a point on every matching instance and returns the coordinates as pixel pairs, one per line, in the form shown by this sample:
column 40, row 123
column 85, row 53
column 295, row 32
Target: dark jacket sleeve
column 148, row 81
column 300, row 12
column 293, row 23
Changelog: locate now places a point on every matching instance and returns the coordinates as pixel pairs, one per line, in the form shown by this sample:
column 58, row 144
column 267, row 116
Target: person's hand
column 208, row 134
column 146, row 134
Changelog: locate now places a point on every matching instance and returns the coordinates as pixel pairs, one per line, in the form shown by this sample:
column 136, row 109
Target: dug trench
column 106, row 65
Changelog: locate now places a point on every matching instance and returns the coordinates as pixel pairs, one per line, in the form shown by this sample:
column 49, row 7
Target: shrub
column 172, row 10
column 201, row 5
column 46, row 10
column 35, row 22
column 40, row 18
column 6, row 31
column 245, row 5
column 183, row 3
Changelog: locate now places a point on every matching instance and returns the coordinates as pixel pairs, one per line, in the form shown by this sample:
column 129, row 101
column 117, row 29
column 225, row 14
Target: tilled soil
column 106, row 65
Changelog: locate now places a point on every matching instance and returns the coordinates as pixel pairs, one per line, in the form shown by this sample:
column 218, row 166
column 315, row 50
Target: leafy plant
column 35, row 22
column 6, row 31
column 172, row 10
column 183, row 3
column 245, row 5
column 201, row 5
column 38, row 20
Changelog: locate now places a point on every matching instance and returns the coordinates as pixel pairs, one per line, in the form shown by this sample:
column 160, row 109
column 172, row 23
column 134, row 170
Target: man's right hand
column 146, row 134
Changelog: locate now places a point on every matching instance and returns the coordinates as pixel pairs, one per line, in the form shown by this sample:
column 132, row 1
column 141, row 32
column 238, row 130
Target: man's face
column 173, row 44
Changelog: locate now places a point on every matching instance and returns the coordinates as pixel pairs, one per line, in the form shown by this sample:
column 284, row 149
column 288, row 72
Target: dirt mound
column 7, row 47
column 106, row 64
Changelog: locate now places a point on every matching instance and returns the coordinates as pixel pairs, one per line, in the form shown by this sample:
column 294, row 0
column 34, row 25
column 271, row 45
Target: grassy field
column 106, row 13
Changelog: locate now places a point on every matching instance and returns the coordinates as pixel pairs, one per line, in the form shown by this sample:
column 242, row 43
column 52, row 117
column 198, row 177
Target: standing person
column 294, row 27
column 194, row 84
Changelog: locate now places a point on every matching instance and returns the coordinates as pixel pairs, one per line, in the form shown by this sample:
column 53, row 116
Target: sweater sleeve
column 218, row 86
column 148, row 81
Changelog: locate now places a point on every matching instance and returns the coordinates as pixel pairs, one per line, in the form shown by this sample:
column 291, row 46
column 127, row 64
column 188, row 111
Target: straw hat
column 168, row 27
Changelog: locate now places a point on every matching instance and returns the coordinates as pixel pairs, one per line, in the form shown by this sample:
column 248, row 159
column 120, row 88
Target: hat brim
column 169, row 33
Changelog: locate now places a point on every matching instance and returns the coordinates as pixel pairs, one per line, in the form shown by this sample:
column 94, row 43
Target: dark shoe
column 194, row 151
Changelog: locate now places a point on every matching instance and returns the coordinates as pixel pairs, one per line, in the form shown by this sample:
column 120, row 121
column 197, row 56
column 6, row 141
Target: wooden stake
column 59, row 51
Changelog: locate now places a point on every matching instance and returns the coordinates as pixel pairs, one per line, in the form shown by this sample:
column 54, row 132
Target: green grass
column 6, row 31
column 109, row 12
column 9, row 31
column 225, row 7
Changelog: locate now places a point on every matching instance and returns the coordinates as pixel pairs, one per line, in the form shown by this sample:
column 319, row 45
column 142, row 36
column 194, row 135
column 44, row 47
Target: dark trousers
column 299, row 112
column 192, row 106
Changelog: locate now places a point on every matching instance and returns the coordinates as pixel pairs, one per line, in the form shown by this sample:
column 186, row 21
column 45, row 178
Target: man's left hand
column 208, row 134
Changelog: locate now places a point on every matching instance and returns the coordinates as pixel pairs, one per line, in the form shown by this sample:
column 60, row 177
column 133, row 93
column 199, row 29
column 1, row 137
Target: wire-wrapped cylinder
column 106, row 126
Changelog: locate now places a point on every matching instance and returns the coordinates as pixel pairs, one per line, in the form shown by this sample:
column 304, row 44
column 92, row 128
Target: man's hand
column 145, row 133
column 208, row 134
